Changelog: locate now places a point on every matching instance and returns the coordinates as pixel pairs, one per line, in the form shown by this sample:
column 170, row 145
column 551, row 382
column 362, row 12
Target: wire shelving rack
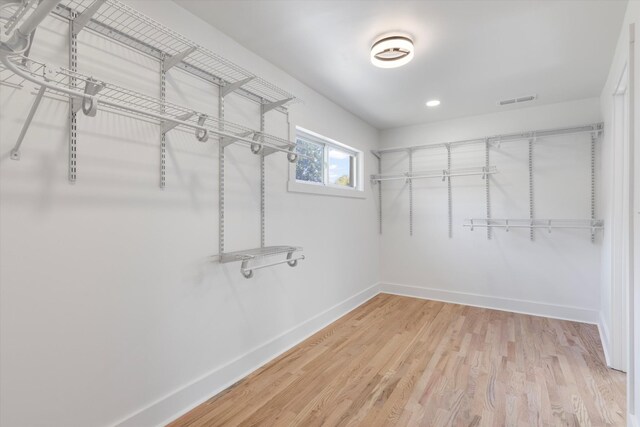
column 545, row 224
column 19, row 20
column 120, row 22
column 442, row 174
column 593, row 130
column 247, row 256
column 109, row 96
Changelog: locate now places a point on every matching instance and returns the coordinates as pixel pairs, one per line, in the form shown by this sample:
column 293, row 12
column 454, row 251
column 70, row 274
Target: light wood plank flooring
column 410, row 362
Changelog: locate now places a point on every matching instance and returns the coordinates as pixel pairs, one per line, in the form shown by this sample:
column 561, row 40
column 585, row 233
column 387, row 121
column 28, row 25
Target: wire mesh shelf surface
column 126, row 25
column 257, row 253
column 593, row 224
column 442, row 173
column 114, row 97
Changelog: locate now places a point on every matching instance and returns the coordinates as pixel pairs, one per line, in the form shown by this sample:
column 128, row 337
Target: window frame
column 326, row 187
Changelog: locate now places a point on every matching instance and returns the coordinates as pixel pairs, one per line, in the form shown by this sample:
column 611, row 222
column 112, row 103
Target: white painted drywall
column 109, row 302
column 558, row 274
column 609, row 152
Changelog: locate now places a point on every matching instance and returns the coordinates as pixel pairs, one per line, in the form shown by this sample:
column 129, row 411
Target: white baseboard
column 188, row 397
column 504, row 304
column 604, row 338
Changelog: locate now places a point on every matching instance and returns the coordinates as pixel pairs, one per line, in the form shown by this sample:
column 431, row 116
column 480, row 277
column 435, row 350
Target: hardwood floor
column 410, row 362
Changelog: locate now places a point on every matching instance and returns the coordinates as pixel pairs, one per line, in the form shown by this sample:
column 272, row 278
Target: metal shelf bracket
column 83, row 19
column 15, row 152
column 273, row 105
column 171, row 61
column 228, row 140
column 230, row 87
column 168, row 125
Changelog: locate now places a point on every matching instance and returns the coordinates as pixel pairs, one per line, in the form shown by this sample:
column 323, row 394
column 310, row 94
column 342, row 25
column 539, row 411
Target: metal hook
column 248, row 274
column 202, row 135
column 256, row 148
column 291, row 263
column 506, row 223
column 471, row 224
column 549, row 225
column 89, row 103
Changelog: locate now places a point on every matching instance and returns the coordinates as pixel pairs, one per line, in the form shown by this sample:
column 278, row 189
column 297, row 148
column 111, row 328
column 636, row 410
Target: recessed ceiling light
column 392, row 52
column 433, row 103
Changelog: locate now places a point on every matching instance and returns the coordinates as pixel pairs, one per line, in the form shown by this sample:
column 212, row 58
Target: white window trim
column 322, row 189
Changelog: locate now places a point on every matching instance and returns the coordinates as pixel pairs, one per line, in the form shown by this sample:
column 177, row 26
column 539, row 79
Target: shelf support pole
column 531, row 197
column 262, row 183
column 486, row 185
column 15, row 152
column 379, row 195
column 449, row 199
column 163, row 129
column 221, row 178
column 73, row 103
column 410, row 179
column 593, row 184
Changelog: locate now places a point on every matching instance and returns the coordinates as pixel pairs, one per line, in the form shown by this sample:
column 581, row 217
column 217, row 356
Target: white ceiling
column 469, row 54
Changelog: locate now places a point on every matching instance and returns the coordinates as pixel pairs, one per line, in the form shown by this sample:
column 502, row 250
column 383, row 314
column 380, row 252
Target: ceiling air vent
column 518, row 100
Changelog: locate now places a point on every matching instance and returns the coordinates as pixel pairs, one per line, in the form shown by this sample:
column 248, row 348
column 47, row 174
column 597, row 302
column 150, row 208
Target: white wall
column 109, row 302
column 556, row 275
column 609, row 152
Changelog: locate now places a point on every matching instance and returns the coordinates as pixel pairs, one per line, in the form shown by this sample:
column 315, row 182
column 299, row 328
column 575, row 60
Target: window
column 325, row 163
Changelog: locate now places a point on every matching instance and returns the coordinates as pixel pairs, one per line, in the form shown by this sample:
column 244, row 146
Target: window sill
column 322, row 190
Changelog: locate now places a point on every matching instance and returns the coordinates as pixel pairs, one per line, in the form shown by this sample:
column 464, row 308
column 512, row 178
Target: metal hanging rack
column 123, row 24
column 442, row 174
column 120, row 22
column 99, row 95
column 68, row 82
column 594, row 130
column 547, row 224
column 247, row 256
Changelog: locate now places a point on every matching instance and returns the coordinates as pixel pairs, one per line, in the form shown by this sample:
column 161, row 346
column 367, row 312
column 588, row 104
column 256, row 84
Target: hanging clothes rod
column 547, row 224
column 249, row 255
column 510, row 137
column 443, row 174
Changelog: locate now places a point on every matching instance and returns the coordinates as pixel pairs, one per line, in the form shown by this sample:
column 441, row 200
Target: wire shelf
column 594, row 128
column 548, row 224
column 251, row 254
column 9, row 78
column 114, row 97
column 442, row 173
column 126, row 25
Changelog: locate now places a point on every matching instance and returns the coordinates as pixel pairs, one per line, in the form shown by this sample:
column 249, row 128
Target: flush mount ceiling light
column 392, row 52
column 433, row 103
